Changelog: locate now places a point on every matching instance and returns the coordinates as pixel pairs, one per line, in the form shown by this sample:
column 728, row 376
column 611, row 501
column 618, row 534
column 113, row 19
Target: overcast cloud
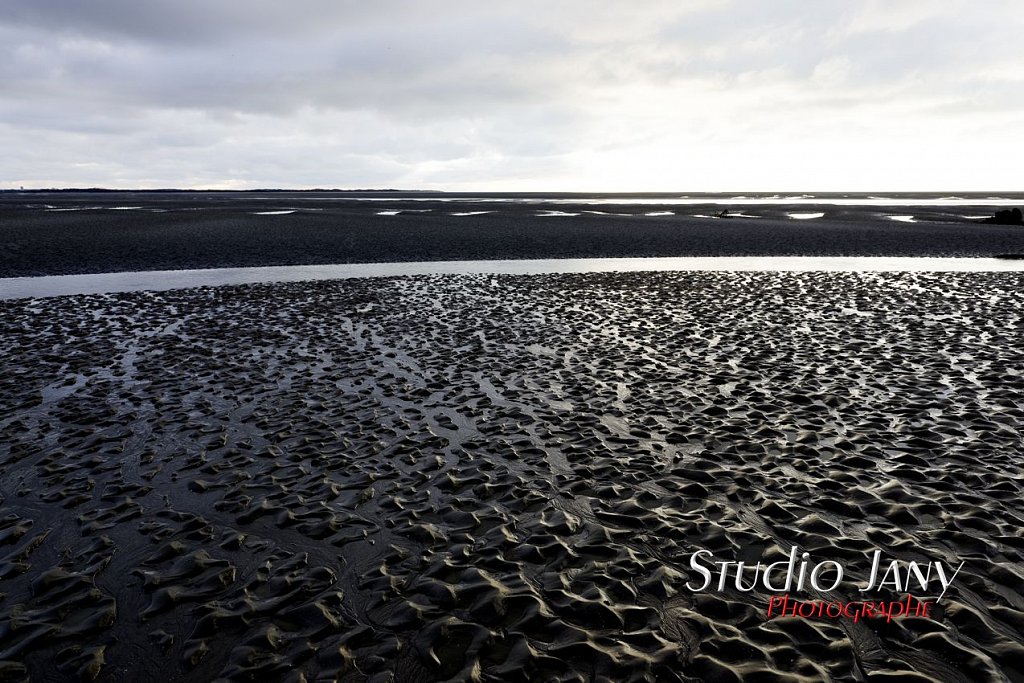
column 517, row 95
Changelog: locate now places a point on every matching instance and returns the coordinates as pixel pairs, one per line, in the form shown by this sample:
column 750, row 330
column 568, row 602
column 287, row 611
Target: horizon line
column 516, row 192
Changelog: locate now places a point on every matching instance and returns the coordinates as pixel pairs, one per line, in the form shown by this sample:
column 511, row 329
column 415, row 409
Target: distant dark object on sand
column 1006, row 217
column 1011, row 257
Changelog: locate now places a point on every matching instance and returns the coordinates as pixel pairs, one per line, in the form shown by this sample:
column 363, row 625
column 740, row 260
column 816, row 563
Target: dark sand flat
column 63, row 233
column 503, row 477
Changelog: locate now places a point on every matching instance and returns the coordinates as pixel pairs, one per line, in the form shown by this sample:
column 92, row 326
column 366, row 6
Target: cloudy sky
column 660, row 95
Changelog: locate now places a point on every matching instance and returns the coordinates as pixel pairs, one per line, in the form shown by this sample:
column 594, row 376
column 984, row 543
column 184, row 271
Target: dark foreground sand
column 503, row 478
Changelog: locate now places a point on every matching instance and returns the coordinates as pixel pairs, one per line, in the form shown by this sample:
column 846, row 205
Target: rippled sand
column 503, row 477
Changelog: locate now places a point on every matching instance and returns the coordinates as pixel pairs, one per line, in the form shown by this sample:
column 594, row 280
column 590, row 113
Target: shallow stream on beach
column 163, row 280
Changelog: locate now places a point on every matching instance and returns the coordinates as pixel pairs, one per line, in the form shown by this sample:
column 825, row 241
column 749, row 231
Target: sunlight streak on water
column 161, row 280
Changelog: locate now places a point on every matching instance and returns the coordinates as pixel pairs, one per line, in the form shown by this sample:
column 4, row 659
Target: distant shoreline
column 979, row 194
column 102, row 232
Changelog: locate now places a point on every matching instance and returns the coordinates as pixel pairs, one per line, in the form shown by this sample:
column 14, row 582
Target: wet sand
column 64, row 233
column 503, row 477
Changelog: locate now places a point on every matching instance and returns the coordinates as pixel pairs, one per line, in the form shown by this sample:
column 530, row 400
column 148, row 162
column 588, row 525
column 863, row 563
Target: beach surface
column 504, row 477
column 58, row 233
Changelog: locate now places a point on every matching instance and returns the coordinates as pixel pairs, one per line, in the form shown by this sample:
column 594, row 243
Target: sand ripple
column 503, row 477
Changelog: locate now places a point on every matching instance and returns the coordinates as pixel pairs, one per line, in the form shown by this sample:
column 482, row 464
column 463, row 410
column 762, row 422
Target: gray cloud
column 456, row 94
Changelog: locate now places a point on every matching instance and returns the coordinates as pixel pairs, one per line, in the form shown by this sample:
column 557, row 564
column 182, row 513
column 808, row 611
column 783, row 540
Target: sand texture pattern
column 503, row 477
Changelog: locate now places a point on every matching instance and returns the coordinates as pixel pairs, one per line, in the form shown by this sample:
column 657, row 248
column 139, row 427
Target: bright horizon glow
column 659, row 96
